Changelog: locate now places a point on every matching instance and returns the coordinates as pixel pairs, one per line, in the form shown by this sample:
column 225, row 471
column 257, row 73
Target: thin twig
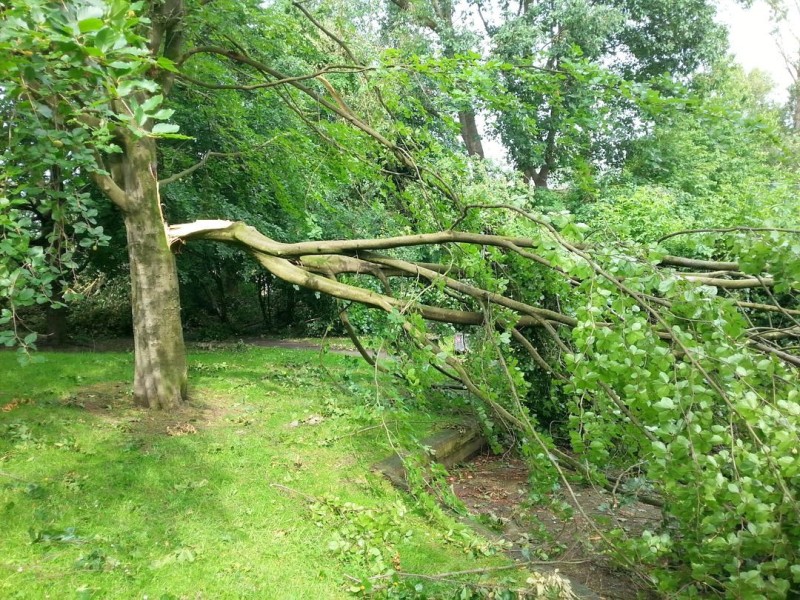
column 724, row 230
column 336, row 39
column 12, row 476
column 284, row 488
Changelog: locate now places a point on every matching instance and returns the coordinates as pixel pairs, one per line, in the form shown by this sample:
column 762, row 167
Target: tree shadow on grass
column 107, row 491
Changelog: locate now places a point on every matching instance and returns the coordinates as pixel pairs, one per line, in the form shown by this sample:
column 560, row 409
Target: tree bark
column 470, row 134
column 160, row 354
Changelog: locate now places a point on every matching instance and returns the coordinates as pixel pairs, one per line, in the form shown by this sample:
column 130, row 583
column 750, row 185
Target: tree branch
column 115, row 193
column 274, row 83
column 337, row 40
column 210, row 154
column 724, row 230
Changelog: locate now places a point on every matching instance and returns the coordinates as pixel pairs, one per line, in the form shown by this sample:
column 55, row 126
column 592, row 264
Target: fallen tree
column 679, row 371
column 681, row 365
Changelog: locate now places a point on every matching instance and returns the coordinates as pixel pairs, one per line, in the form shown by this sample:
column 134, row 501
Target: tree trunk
column 160, row 354
column 445, row 29
column 470, row 134
column 56, row 324
column 796, row 102
column 264, row 284
column 540, row 180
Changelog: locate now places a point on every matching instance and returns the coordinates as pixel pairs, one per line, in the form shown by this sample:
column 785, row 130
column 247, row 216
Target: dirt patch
column 101, row 398
column 495, row 490
column 113, row 403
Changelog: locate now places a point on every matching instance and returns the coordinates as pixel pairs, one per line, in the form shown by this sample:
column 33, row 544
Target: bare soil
column 495, row 490
column 113, row 402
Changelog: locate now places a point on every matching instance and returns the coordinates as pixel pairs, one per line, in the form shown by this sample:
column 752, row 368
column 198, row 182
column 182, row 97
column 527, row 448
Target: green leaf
column 665, row 403
column 163, row 114
column 152, row 103
column 93, row 24
column 128, row 86
column 44, row 110
column 160, row 128
column 166, row 64
column 122, row 65
column 106, row 38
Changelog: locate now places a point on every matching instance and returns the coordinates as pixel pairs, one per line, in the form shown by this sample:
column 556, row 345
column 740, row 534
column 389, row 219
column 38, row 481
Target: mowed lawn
column 243, row 494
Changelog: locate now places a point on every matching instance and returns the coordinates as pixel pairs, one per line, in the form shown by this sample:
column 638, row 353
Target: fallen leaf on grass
column 312, row 420
column 181, row 429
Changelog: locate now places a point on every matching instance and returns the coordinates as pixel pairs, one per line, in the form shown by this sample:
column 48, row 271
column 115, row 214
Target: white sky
column 752, row 43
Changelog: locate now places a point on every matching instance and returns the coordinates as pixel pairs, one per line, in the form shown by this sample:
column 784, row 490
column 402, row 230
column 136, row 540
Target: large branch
column 267, row 253
column 311, row 264
column 314, row 265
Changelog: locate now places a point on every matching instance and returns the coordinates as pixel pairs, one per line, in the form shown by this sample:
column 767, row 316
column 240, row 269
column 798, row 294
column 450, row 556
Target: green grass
column 99, row 498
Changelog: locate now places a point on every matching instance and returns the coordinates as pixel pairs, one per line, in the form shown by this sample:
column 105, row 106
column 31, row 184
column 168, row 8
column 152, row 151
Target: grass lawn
column 102, row 499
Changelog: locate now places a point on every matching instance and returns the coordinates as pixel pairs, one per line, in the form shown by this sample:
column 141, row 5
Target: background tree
column 85, row 70
column 720, row 160
column 785, row 17
column 576, row 119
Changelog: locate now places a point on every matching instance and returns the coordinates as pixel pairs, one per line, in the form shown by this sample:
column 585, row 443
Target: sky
column 752, row 43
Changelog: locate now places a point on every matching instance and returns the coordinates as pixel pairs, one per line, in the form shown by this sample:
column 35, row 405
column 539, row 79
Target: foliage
column 64, row 68
column 663, row 371
column 721, row 160
column 555, row 111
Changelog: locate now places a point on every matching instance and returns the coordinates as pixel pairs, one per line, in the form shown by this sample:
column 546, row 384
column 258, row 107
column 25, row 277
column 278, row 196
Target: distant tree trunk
column 160, row 363
column 470, row 133
column 539, row 177
column 540, row 180
column 217, row 298
column 222, row 298
column 291, row 301
column 264, row 283
column 56, row 326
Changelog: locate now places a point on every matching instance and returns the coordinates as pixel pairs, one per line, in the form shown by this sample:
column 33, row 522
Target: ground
column 495, row 490
column 263, row 479
column 261, row 487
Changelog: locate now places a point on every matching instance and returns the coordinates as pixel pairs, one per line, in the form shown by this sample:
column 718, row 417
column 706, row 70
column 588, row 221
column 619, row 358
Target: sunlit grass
column 99, row 498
